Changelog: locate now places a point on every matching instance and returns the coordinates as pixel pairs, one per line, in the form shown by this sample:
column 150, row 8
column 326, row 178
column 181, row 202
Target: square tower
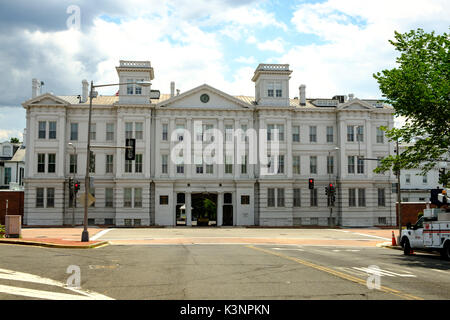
column 272, row 84
column 131, row 72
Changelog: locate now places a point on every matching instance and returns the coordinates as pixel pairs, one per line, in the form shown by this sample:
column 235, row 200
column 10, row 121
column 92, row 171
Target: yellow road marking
column 338, row 274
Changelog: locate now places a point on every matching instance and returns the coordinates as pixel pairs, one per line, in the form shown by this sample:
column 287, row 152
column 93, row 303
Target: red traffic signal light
column 311, row 183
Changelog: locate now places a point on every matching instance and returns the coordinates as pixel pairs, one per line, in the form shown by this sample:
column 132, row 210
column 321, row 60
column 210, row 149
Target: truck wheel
column 445, row 252
column 406, row 247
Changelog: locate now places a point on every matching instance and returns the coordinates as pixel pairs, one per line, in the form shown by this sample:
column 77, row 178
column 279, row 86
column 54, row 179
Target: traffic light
column 331, row 189
column 326, row 191
column 130, row 153
column 311, row 183
column 76, row 186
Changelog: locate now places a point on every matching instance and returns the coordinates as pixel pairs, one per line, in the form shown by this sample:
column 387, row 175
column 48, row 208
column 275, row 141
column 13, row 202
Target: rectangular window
column 128, row 130
column 380, row 135
column 408, row 178
column 209, row 169
column 352, row 197
column 165, row 130
column 73, row 163
column 199, row 168
column 313, row 164
column 181, row 198
column 51, row 163
column 180, row 132
column 270, row 128
column 208, row 128
column 74, row 131
column 7, row 176
column 52, row 130
column 280, row 197
column 313, row 197
column 360, row 133
column 296, row 164
column 425, row 179
column 245, row 199
column 297, row 198
column 278, row 90
column 163, row 200
column 50, row 197
column 360, row 165
column 330, row 164
column 270, row 89
column 139, row 130
column 381, row 197
column 361, row 197
column 127, row 197
column 281, row 164
column 244, row 165
column 109, row 163
column 127, row 222
column 39, row 197
column 164, row 160
column 128, row 166
column 271, row 197
column 138, row 88
column 295, row 134
column 228, row 164
column 227, row 198
column 92, row 162
column 330, row 134
column 138, row 163
column 180, row 168
column 41, row 162
column 280, row 128
column 42, row 129
column 109, row 131
column 350, row 133
column 130, row 86
column 244, row 137
column 228, row 133
column 312, row 134
column 93, row 131
column 109, row 197
column 351, row 164
column 138, row 197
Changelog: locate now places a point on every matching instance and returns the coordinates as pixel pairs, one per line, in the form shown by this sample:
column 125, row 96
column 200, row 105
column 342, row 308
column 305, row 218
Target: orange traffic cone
column 394, row 242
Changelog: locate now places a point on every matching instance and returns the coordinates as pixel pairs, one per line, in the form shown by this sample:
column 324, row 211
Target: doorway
column 227, row 209
column 204, row 209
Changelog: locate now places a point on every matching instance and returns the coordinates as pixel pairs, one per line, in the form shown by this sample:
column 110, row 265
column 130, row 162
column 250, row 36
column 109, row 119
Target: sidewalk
column 56, row 238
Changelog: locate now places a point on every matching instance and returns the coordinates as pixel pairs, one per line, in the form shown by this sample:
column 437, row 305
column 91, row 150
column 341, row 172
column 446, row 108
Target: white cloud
column 355, row 46
column 276, row 45
column 246, row 60
column 6, row 135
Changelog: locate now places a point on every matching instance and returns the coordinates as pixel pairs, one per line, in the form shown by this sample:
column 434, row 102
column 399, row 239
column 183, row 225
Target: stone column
column 288, row 157
column 219, row 209
column 188, row 204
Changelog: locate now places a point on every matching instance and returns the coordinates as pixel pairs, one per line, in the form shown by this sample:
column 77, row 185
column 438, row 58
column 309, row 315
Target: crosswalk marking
column 31, row 278
column 362, row 271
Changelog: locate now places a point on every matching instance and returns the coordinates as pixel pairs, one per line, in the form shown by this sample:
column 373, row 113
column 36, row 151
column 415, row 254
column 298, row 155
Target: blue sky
column 332, row 46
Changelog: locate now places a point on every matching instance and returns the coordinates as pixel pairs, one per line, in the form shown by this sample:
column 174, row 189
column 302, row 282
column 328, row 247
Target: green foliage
column 14, row 140
column 2, row 231
column 210, row 208
column 419, row 90
column 419, row 215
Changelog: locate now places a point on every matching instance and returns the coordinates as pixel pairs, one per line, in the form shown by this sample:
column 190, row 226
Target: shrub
column 419, row 215
column 2, row 231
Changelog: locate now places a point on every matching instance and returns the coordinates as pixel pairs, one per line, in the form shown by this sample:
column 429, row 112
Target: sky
column 332, row 46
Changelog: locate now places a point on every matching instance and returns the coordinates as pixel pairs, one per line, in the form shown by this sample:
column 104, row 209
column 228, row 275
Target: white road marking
column 288, row 249
column 26, row 277
column 349, row 250
column 32, row 293
column 101, row 233
column 363, row 234
column 385, row 272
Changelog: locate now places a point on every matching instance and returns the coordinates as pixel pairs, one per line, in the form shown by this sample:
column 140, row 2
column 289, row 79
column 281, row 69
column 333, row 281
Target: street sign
column 91, row 199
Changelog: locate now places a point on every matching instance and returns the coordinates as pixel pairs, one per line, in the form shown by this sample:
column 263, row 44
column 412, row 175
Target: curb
column 389, row 246
column 54, row 245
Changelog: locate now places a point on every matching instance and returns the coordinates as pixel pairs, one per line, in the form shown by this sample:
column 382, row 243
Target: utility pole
column 399, row 197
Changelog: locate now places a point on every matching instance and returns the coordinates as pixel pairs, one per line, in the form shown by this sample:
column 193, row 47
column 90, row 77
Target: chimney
column 351, row 96
column 172, row 89
column 302, row 92
column 35, row 88
column 84, row 91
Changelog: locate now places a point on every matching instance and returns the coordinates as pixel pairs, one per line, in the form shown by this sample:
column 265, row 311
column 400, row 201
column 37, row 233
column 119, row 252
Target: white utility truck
column 432, row 231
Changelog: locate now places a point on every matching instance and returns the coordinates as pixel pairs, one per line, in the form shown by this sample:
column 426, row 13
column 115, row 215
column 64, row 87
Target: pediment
column 206, row 97
column 355, row 104
column 45, row 99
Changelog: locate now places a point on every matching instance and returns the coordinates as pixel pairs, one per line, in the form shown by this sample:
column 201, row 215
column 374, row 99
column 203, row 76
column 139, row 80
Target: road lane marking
column 27, row 277
column 337, row 274
column 385, row 272
column 291, row 249
column 363, row 234
column 349, row 250
column 100, row 234
column 48, row 295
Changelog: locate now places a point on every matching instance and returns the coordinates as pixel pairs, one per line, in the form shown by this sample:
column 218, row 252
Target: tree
column 418, row 89
column 14, row 140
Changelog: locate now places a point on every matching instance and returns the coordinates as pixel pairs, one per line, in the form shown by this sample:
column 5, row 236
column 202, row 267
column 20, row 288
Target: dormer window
column 274, row 89
column 130, row 86
column 133, row 88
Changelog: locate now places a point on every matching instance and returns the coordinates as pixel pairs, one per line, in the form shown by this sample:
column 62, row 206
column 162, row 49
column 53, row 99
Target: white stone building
column 12, row 165
column 318, row 138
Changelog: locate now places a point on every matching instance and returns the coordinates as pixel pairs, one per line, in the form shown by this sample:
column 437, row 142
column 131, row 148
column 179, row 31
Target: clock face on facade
column 204, row 98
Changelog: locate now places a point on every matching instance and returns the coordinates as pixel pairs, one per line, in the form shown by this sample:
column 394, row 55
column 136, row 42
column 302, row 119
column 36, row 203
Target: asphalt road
column 221, row 271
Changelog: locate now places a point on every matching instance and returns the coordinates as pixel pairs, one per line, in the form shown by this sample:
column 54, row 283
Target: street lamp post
column 73, row 188
column 85, row 234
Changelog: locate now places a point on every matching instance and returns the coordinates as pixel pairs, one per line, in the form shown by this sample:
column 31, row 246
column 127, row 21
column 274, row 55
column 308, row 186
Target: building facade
column 12, row 165
column 333, row 140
